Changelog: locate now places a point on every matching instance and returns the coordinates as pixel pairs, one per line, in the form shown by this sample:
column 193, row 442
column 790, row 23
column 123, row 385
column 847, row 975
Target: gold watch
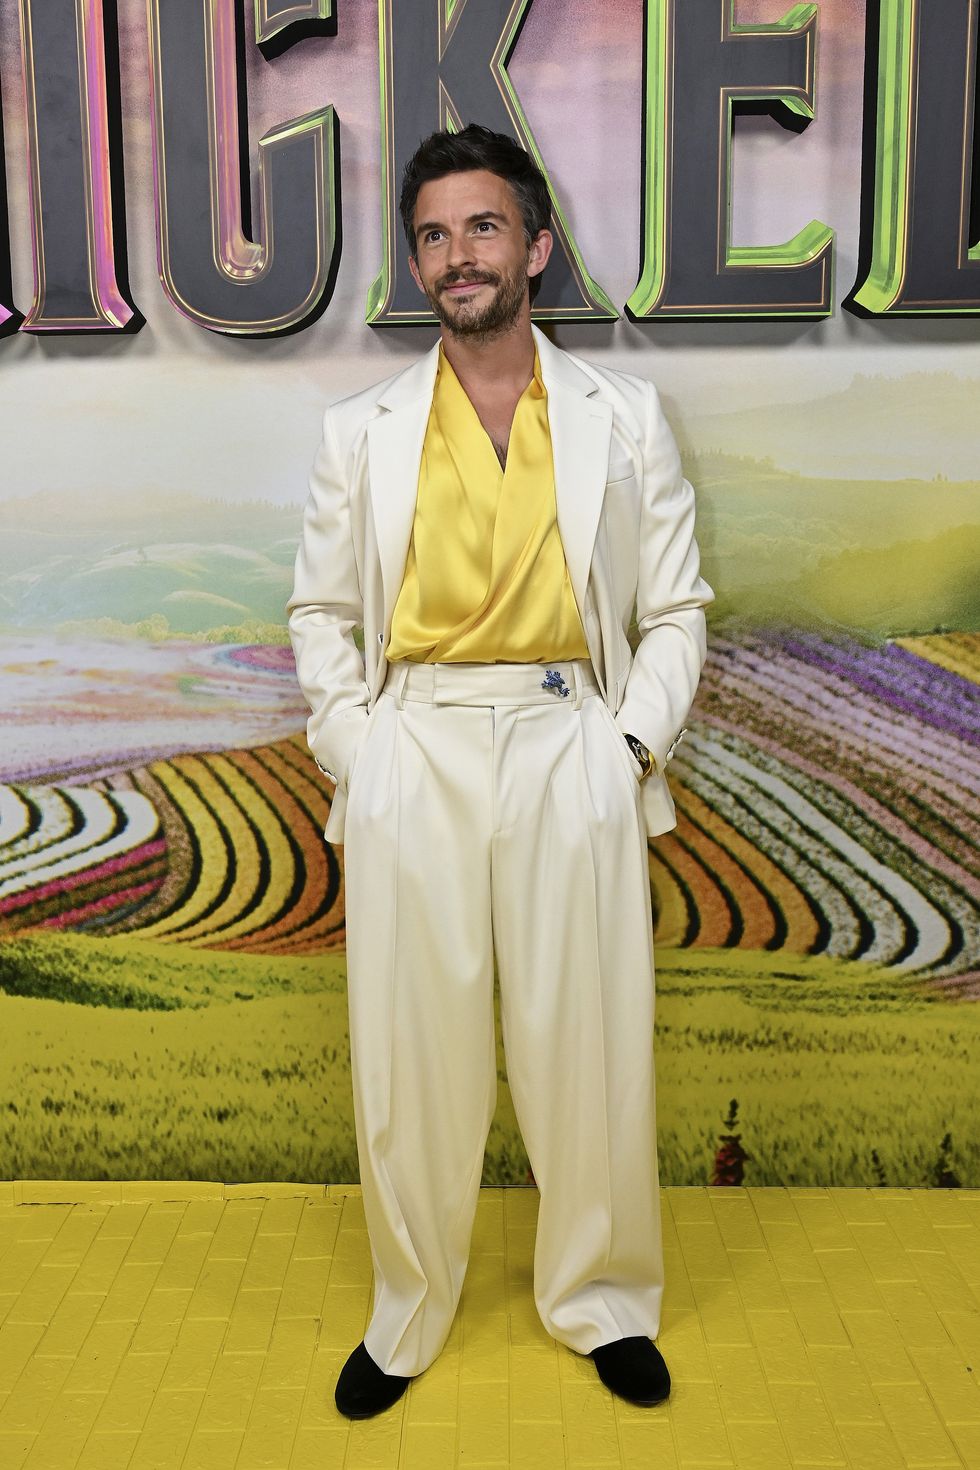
column 643, row 755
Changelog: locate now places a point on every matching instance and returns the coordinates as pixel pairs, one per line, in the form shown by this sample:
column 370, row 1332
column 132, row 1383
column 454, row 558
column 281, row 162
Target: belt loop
column 401, row 674
column 578, row 682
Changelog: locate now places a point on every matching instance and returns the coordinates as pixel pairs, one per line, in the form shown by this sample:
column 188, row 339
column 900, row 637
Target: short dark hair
column 476, row 147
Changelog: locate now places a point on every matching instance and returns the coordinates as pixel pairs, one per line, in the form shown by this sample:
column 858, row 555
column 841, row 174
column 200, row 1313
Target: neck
column 504, row 359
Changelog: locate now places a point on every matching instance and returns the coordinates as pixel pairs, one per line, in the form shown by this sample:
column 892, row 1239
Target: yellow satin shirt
column 486, row 579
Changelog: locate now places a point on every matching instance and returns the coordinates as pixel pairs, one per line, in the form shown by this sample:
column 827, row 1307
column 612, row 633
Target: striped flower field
column 238, row 857
column 172, row 975
column 826, row 795
column 828, row 800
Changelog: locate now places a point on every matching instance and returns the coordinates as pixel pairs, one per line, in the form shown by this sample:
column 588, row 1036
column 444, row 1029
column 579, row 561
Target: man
column 489, row 517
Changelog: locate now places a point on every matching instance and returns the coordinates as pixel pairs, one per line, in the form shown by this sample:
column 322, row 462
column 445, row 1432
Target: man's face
column 472, row 260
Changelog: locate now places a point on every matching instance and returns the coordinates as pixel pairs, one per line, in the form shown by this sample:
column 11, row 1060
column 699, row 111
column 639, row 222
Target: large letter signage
column 698, row 67
column 443, row 64
column 70, row 125
column 211, row 269
column 9, row 320
column 917, row 255
column 281, row 23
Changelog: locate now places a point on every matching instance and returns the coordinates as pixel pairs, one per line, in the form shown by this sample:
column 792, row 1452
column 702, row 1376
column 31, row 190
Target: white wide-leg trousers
column 487, row 814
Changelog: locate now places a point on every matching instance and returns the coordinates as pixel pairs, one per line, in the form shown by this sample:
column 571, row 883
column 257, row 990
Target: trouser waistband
column 566, row 683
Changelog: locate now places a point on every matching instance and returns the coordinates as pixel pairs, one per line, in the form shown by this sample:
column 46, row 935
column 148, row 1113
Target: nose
column 460, row 251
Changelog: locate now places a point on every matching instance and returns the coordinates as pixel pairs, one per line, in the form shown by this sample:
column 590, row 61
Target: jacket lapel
column 395, row 440
column 581, row 427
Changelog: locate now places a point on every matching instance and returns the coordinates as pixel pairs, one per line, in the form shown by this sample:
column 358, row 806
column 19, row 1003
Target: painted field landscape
column 172, row 979
column 172, row 987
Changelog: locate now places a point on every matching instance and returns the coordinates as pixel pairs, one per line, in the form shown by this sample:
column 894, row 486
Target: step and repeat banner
column 771, row 212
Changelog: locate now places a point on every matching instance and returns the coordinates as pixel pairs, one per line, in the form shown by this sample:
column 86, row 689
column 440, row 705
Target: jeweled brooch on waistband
column 553, row 680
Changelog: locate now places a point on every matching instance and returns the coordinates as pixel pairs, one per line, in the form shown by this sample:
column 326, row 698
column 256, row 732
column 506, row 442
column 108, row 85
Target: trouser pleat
column 420, row 985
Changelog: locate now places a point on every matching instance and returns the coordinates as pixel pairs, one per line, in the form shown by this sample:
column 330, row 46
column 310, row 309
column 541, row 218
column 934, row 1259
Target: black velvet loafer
column 634, row 1369
column 363, row 1390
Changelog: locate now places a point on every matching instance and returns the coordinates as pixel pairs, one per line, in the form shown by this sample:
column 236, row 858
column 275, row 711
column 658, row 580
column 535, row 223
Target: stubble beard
column 483, row 324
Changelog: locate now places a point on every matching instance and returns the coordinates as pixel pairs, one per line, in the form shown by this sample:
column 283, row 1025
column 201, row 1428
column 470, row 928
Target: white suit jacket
column 626, row 519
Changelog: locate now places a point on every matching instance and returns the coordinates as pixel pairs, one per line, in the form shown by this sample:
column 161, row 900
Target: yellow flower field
column 828, row 1060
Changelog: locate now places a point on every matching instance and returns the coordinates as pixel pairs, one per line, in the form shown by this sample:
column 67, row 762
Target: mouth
column 464, row 288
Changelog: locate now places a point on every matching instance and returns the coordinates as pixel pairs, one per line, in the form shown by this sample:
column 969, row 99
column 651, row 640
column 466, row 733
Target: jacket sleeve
column 324, row 609
column 670, row 599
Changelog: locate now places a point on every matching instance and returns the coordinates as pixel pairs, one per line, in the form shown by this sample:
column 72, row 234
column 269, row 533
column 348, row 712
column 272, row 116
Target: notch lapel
column 581, row 428
column 395, row 438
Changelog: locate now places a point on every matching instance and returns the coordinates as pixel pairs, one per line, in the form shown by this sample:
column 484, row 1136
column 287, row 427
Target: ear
column 414, row 268
column 541, row 247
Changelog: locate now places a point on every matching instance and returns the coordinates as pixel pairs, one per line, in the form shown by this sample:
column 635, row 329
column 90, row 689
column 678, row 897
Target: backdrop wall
column 172, row 999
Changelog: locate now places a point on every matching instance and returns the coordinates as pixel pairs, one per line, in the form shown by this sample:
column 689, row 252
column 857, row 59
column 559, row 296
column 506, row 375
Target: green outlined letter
column 699, row 66
column 920, row 88
column 445, row 65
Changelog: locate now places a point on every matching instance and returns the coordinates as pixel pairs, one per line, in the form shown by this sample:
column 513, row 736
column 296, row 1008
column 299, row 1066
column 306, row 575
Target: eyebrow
column 433, row 224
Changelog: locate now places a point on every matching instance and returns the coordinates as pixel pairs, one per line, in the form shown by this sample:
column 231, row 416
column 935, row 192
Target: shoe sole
column 642, row 1403
column 370, row 1413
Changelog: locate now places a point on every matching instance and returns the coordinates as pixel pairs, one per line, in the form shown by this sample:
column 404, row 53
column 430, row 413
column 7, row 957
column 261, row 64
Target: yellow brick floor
column 802, row 1327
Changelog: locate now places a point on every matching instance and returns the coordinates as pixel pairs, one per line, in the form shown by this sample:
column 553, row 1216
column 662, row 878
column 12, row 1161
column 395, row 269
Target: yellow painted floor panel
column 802, row 1327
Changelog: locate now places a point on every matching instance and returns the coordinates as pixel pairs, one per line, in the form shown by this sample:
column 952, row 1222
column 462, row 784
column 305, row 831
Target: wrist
column 642, row 755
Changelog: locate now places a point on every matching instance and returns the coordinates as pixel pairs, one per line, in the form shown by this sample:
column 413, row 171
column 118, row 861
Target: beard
column 465, row 319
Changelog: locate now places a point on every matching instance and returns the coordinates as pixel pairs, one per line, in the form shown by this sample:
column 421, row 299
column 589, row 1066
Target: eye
column 485, row 224
column 431, row 235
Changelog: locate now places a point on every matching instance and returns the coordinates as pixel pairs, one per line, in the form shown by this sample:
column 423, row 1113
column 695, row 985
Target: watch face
column 640, row 754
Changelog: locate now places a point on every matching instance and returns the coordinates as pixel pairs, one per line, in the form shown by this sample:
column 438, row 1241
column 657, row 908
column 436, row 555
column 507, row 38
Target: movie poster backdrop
column 771, row 213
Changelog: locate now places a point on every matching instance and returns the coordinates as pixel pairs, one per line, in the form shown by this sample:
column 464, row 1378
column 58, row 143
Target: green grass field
column 125, row 1059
